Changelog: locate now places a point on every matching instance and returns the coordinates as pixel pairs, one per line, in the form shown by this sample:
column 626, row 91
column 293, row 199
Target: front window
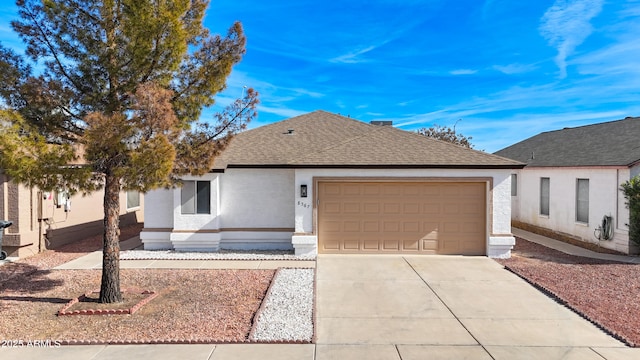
column 514, row 185
column 544, row 196
column 582, row 200
column 196, row 197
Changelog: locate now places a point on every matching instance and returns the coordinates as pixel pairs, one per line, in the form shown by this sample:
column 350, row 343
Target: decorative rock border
column 130, row 311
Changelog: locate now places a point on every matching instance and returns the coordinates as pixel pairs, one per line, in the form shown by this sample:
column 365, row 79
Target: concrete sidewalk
column 572, row 249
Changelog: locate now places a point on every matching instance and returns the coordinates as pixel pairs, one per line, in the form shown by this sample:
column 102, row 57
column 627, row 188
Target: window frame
column 195, row 196
column 514, row 184
column 129, row 206
column 581, row 219
column 543, row 197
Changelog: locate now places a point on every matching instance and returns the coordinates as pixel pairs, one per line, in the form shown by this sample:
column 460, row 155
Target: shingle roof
column 322, row 139
column 614, row 143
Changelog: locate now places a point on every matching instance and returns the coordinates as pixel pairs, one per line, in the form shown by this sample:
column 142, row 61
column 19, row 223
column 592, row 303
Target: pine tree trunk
column 110, row 286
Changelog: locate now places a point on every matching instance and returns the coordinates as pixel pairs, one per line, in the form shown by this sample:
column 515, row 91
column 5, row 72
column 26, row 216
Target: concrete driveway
column 436, row 307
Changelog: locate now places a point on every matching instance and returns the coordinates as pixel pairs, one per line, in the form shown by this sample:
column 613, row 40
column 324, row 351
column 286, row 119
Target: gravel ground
column 206, row 306
column 287, row 312
column 220, row 255
column 604, row 292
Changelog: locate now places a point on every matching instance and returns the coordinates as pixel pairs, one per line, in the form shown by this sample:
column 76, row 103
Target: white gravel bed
column 219, row 255
column 287, row 312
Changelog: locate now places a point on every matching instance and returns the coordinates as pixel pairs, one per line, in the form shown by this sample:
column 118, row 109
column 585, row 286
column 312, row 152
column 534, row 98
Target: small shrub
column 631, row 191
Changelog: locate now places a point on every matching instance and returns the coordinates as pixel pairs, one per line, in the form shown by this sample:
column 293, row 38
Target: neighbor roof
column 614, row 143
column 323, row 139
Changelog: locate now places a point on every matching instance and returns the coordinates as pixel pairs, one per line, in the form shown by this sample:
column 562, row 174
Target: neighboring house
column 54, row 217
column 572, row 182
column 326, row 183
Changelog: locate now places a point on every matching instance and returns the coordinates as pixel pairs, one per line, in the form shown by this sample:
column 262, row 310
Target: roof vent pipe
column 381, row 122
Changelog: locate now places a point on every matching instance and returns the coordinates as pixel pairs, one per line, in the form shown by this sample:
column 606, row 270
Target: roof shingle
column 614, row 143
column 322, row 139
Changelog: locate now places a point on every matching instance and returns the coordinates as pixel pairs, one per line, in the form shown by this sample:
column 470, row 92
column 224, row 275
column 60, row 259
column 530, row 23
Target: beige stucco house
column 55, row 217
column 325, row 183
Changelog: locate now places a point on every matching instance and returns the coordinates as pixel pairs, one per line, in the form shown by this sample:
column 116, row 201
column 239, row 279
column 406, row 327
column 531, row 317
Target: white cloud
column 281, row 111
column 512, row 69
column 352, row 57
column 462, row 72
column 566, row 24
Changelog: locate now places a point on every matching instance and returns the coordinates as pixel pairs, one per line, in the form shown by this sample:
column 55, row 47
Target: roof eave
column 378, row 166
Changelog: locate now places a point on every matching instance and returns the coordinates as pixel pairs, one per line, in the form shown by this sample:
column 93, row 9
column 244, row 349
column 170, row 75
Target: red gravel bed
column 192, row 306
column 604, row 292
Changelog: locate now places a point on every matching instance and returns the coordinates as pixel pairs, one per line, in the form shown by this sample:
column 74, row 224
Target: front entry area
column 402, row 217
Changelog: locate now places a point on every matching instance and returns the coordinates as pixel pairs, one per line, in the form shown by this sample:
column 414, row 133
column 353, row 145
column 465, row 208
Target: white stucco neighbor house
column 570, row 187
column 321, row 182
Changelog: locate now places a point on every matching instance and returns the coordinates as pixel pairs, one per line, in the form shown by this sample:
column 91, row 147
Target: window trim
column 578, row 220
column 542, row 197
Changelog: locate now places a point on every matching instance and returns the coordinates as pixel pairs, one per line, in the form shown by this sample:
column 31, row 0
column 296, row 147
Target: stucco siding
column 159, row 208
column 604, row 199
column 257, row 198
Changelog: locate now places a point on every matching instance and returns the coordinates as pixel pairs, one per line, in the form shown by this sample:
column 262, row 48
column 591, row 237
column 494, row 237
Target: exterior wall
column 263, row 209
column 34, row 212
column 605, row 198
column 250, row 209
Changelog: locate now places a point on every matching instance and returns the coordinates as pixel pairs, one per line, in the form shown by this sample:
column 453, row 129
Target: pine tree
column 116, row 101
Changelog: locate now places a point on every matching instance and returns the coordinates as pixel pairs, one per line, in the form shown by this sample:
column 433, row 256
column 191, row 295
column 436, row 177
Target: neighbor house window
column 514, row 185
column 133, row 199
column 196, row 197
column 544, row 196
column 582, row 200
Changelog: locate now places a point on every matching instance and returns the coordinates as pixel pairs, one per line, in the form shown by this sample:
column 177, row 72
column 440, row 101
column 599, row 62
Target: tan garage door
column 385, row 217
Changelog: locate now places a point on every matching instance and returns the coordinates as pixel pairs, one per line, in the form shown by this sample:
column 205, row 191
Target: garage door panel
column 431, row 208
column 371, row 226
column 351, row 245
column 411, row 226
column 391, row 190
column 425, row 218
column 332, row 208
column 391, row 208
column 332, row 189
column 333, row 226
column 351, row 208
column 351, row 189
column 411, row 245
column 411, row 208
column 351, row 226
column 371, row 208
column 391, row 245
column 371, row 189
column 451, row 209
column 371, row 245
column 391, row 226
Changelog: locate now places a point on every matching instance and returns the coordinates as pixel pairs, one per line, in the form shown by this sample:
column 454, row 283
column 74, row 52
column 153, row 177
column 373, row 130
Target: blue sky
column 506, row 69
